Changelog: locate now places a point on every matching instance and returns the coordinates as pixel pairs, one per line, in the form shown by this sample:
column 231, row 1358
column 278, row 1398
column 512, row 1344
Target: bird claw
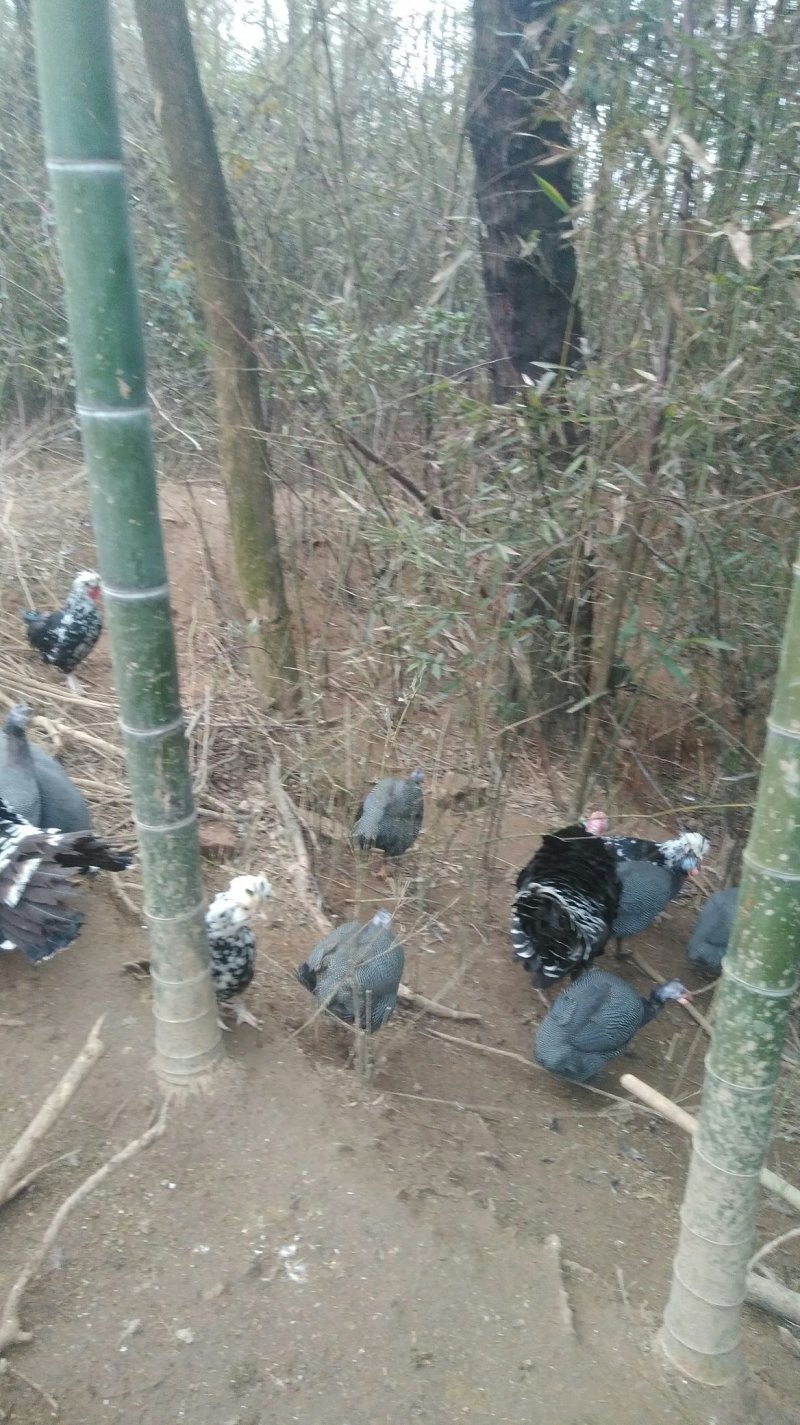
column 242, row 1013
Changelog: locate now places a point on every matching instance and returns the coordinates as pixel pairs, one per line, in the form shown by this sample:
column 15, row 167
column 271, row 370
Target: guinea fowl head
column 382, row 919
column 597, row 823
column 17, row 719
column 673, row 989
column 87, row 582
column 417, row 776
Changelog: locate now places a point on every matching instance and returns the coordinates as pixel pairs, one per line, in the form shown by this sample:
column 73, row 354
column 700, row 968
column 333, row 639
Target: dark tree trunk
column 520, row 60
column 188, row 134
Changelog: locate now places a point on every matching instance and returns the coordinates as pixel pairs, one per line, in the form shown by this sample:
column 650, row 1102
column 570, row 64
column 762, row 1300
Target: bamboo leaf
column 695, row 152
column 553, row 194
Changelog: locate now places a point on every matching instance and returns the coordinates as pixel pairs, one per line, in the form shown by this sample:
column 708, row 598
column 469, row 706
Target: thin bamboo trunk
column 701, row 1327
column 84, row 159
column 188, row 133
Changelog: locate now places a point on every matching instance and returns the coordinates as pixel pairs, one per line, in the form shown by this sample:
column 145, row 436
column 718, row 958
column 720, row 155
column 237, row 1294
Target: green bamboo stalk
column 701, row 1330
column 84, row 160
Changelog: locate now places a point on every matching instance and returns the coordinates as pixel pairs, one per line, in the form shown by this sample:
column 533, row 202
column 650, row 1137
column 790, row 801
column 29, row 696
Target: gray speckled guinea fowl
column 367, row 956
column 390, row 816
column 594, row 1021
column 712, row 930
column 63, row 806
column 19, row 787
column 647, row 887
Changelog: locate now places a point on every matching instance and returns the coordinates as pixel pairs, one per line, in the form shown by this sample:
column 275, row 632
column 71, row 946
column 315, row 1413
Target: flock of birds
column 581, row 887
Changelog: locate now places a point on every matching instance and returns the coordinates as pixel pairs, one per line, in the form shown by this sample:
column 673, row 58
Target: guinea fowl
column 594, row 1021
column 34, row 783
column 64, row 638
column 565, row 904
column 352, row 962
column 18, row 784
column 390, row 816
column 232, row 944
column 37, row 870
column 712, row 930
column 646, row 886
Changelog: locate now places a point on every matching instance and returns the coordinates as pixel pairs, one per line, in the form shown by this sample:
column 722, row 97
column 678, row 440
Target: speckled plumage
column 64, row 638
column 390, row 816
column 712, row 930
column 593, row 1021
column 367, row 956
column 34, row 783
column 232, row 944
column 566, row 900
column 646, row 888
column 37, row 869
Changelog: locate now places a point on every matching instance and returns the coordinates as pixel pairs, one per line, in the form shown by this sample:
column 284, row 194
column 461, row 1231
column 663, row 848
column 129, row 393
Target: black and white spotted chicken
column 64, row 638
column 232, row 944
column 567, row 898
column 594, row 1021
column 37, row 872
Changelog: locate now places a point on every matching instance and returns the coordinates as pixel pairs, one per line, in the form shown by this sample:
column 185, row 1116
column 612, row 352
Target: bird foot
column 242, row 1015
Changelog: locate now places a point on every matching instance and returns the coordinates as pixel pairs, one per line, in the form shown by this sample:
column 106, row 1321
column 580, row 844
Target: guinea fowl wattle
column 594, row 1021
column 64, row 638
column 352, row 962
column 565, row 904
column 37, row 871
column 712, row 930
column 390, row 816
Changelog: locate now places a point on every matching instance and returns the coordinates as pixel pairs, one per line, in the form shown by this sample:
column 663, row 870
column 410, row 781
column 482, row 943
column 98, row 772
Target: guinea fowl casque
column 232, row 944
column 64, row 638
column 351, row 962
column 712, row 930
column 37, row 871
column 390, row 816
column 34, row 783
column 594, row 1021
column 566, row 901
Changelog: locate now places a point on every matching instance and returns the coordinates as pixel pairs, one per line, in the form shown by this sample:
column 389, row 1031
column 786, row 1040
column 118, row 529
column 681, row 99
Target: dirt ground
column 302, row 1245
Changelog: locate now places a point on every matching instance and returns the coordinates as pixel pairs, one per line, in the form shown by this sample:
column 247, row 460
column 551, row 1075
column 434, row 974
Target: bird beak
column 685, row 999
column 695, row 871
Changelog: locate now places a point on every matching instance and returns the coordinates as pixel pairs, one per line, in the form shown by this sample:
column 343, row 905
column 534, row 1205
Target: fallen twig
column 677, row 1115
column 7, row 1369
column 50, row 1110
column 123, row 899
column 11, row 1332
column 774, row 1297
column 509, row 1054
column 432, row 1006
column 652, row 974
column 553, row 1253
column 22, row 1183
column 770, row 1246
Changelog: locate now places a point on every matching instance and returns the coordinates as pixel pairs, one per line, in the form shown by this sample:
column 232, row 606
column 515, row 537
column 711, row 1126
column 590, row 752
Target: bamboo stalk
column 702, row 1321
column 84, row 159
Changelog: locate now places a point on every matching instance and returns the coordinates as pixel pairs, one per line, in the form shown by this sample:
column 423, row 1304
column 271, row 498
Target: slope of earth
column 301, row 1245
